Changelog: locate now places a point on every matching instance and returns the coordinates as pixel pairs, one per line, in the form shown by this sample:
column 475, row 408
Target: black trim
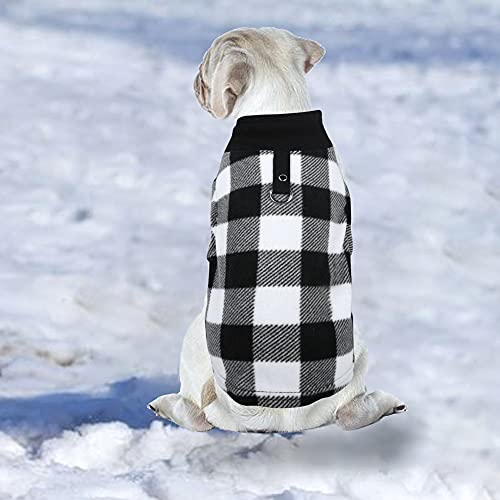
column 287, row 131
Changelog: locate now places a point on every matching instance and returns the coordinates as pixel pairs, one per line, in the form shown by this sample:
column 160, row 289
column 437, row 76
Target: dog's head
column 235, row 57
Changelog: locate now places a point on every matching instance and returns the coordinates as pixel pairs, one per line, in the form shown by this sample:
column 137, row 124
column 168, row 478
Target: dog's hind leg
column 181, row 411
column 197, row 384
column 367, row 409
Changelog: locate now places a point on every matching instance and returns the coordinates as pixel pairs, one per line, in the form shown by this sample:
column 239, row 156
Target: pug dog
column 258, row 76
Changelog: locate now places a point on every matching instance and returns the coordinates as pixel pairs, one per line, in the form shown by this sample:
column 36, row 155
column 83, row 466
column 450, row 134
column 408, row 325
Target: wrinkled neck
column 273, row 94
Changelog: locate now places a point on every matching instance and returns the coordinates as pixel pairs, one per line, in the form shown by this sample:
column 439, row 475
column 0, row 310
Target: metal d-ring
column 271, row 194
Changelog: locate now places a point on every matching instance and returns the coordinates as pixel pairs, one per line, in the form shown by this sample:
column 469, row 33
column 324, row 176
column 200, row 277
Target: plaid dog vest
column 278, row 319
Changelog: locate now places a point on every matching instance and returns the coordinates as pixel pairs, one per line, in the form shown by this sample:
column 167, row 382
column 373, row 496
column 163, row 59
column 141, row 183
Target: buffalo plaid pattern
column 278, row 320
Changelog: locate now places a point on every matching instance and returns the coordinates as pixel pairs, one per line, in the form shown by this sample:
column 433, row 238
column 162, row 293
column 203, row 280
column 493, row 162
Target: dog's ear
column 230, row 80
column 201, row 90
column 314, row 53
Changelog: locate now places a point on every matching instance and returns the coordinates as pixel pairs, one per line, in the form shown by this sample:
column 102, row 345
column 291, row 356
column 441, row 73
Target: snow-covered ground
column 104, row 227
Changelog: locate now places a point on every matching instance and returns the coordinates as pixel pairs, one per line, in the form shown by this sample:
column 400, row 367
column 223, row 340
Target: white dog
column 261, row 72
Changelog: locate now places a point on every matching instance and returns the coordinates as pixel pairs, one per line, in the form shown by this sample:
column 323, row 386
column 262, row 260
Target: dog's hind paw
column 181, row 411
column 153, row 409
column 366, row 409
column 401, row 408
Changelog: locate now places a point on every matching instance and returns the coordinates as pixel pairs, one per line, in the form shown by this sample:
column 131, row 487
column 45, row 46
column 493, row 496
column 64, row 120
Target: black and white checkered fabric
column 278, row 320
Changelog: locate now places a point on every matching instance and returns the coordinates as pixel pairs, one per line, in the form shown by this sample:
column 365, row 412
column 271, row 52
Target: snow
column 104, row 210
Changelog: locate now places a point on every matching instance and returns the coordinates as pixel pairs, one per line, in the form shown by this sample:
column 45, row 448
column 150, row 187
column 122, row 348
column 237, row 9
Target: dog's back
column 278, row 321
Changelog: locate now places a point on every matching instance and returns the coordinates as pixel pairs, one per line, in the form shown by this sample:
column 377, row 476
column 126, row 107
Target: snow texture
column 104, row 229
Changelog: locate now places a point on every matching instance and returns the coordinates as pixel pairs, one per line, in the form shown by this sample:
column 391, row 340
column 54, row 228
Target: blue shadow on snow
column 50, row 414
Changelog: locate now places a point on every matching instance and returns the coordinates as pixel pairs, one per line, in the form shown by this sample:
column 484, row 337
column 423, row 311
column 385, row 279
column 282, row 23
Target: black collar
column 287, row 131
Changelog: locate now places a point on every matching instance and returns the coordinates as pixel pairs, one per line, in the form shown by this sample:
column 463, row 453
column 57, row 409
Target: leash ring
column 271, row 194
